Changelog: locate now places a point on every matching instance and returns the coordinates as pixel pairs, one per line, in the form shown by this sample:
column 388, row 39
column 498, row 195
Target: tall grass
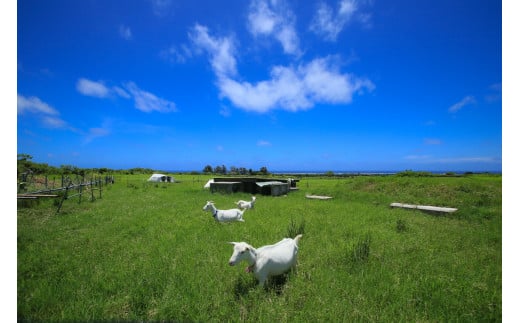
column 147, row 252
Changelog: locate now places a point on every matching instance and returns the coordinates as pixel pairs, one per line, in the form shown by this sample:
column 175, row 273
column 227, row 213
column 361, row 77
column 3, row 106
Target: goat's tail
column 297, row 238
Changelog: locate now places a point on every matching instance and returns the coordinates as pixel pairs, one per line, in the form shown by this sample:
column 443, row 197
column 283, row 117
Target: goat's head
column 208, row 206
column 242, row 251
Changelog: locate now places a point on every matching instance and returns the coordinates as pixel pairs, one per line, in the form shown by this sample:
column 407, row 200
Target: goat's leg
column 261, row 280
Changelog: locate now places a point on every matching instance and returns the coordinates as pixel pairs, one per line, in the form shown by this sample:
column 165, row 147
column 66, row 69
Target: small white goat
column 266, row 261
column 246, row 204
column 224, row 215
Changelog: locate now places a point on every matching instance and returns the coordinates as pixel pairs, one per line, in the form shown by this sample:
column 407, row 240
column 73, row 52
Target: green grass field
column 147, row 252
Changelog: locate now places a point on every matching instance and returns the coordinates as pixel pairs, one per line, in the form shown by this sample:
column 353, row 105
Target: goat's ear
column 233, row 243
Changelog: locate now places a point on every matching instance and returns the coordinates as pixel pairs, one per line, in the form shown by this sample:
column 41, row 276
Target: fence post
column 90, row 185
column 63, row 199
column 100, row 187
column 80, row 189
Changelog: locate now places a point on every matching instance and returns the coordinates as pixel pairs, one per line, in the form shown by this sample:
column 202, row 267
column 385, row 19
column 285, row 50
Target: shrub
column 411, row 173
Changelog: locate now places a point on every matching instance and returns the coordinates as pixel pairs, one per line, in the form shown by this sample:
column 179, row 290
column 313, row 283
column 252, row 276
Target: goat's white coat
column 224, row 215
column 246, row 204
column 266, row 261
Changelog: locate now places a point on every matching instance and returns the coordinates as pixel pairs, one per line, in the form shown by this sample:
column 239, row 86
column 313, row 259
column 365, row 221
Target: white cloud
column 53, row 122
column 94, row 133
column 262, row 20
column 161, row 7
column 325, row 24
column 289, row 40
column 347, row 8
column 459, row 105
column 295, row 89
column 221, row 50
column 326, row 84
column 48, row 116
column 34, row 105
column 91, row 88
column 148, row 102
column 290, row 88
column 125, row 32
column 176, row 55
column 274, row 19
column 122, row 93
column 328, row 24
column 144, row 101
column 283, row 90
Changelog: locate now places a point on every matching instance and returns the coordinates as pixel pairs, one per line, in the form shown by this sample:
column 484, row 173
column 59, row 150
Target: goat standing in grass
column 246, row 204
column 224, row 215
column 266, row 261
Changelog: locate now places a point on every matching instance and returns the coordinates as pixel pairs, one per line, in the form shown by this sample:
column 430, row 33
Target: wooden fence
column 42, row 187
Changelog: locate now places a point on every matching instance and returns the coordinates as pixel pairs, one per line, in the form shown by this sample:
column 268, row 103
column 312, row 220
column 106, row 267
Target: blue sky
column 289, row 85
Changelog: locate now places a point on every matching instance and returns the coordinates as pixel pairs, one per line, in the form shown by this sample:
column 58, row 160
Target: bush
column 411, row 173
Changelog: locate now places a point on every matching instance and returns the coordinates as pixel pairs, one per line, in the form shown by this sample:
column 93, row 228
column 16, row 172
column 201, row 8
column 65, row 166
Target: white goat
column 224, row 215
column 246, row 204
column 266, row 261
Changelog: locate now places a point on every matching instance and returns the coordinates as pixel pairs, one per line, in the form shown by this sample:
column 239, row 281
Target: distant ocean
column 342, row 172
column 361, row 172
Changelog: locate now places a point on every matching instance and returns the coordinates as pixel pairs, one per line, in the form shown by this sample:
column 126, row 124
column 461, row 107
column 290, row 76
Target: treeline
column 25, row 165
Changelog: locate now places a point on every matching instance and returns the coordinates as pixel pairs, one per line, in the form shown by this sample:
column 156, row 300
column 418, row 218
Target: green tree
column 24, row 157
column 24, row 164
column 68, row 169
column 221, row 169
column 208, row 169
